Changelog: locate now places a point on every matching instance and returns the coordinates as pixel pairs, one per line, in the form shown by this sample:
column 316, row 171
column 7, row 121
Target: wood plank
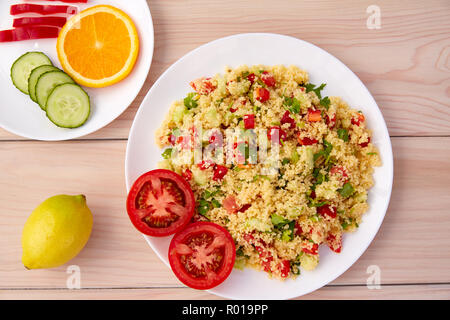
column 407, row 248
column 409, row 292
column 405, row 64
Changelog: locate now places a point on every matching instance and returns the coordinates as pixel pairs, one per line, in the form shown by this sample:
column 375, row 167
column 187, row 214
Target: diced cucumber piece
column 68, row 106
column 34, row 76
column 47, row 82
column 22, row 67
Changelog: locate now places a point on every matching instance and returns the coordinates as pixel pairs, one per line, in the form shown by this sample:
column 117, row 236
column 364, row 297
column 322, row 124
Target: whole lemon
column 56, row 231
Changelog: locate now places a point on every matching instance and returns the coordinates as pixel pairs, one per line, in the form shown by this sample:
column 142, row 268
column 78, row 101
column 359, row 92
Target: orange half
column 99, row 46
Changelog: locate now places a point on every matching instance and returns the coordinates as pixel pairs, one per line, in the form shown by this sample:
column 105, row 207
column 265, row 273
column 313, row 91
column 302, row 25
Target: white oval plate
column 21, row 116
column 269, row 49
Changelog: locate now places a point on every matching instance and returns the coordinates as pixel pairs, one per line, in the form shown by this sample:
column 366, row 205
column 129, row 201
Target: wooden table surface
column 406, row 66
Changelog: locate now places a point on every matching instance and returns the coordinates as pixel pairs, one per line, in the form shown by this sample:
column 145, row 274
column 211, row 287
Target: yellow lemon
column 56, row 231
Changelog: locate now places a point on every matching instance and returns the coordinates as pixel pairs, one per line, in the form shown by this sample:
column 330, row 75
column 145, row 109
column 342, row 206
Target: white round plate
column 269, row 49
column 21, row 116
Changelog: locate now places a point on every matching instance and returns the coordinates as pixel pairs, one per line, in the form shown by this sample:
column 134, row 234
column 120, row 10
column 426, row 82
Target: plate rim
column 387, row 158
column 141, row 85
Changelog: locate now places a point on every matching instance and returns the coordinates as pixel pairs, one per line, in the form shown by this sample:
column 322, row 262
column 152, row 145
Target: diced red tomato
column 339, row 170
column 326, row 210
column 262, row 94
column 251, row 78
column 230, row 204
column 287, row 119
column 331, row 122
column 249, row 121
column 187, row 175
column 306, row 141
column 311, row 248
column 219, row 172
column 245, row 207
column 335, row 243
column 314, row 115
column 284, row 267
column 359, row 119
column 205, row 164
column 271, row 133
column 203, row 86
column 298, row 229
column 172, row 139
column 365, row 144
column 216, row 139
column 261, row 247
column 268, row 79
column 313, row 194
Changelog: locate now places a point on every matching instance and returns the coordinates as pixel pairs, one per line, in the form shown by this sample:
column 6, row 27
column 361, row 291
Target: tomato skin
column 306, row 141
column 314, row 115
column 360, row 119
column 251, row 78
column 187, row 175
column 249, row 121
column 313, row 250
column 268, row 79
column 219, row 172
column 287, row 119
column 365, row 144
column 226, row 267
column 203, row 86
column 281, row 134
column 284, row 267
column 335, row 243
column 262, row 94
column 134, row 213
column 326, row 210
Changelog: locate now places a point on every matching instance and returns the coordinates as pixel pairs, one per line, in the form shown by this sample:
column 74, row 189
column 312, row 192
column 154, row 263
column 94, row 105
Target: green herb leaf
column 325, row 102
column 203, row 207
column 278, row 220
column 347, row 190
column 343, row 134
column 216, row 203
column 312, row 87
column 167, row 153
column 190, row 102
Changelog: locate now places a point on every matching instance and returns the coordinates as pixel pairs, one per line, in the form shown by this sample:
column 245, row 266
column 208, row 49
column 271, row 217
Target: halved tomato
column 202, row 255
column 160, row 203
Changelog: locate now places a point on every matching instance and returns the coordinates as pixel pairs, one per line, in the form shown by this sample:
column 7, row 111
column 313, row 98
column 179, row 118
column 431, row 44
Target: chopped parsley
column 167, row 153
column 347, row 190
column 312, row 87
column 343, row 134
column 190, row 102
column 293, row 104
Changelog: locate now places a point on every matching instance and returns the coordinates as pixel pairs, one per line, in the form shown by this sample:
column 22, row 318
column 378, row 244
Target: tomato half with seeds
column 202, row 255
column 160, row 203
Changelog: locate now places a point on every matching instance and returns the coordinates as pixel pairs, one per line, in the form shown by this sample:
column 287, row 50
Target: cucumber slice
column 34, row 77
column 22, row 67
column 68, row 106
column 47, row 82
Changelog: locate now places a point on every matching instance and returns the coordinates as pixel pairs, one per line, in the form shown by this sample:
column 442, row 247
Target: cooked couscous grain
column 308, row 189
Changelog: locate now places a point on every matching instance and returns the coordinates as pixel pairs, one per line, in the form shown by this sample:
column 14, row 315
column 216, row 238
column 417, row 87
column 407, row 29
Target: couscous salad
column 270, row 159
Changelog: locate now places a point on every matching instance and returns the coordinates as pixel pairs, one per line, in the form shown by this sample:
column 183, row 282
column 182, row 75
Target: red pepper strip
column 41, row 9
column 40, row 21
column 66, row 1
column 28, row 33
